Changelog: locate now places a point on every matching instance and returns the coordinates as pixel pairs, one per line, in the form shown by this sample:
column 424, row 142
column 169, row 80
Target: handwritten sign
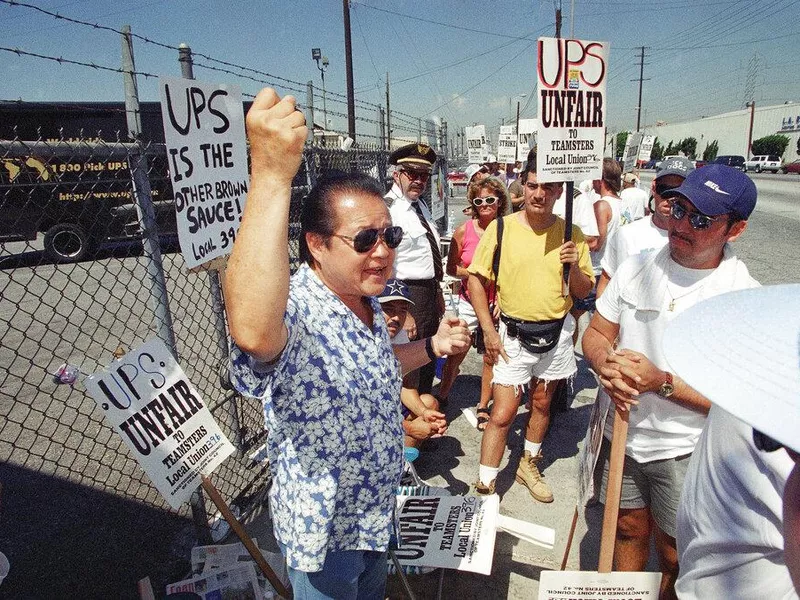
column 453, row 532
column 572, row 109
column 207, row 153
column 148, row 400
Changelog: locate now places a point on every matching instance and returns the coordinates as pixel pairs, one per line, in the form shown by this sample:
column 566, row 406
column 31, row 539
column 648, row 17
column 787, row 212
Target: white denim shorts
column 522, row 366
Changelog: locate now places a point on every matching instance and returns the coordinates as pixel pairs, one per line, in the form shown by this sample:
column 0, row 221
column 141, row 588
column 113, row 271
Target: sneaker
column 528, row 475
column 481, row 489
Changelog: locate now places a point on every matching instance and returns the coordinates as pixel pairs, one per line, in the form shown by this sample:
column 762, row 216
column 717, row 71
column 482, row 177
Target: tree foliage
column 710, row 153
column 619, row 147
column 670, row 149
column 657, row 153
column 770, row 144
column 688, row 147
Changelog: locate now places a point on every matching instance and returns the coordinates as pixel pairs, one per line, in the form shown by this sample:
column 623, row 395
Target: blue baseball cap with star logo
column 395, row 290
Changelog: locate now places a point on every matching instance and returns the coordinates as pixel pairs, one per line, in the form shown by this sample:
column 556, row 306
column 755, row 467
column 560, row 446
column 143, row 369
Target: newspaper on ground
column 218, row 557
column 235, row 583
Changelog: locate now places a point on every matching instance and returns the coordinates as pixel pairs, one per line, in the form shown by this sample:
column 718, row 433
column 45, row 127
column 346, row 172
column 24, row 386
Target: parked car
column 650, row 164
column 792, row 167
column 732, row 160
column 699, row 163
column 763, row 162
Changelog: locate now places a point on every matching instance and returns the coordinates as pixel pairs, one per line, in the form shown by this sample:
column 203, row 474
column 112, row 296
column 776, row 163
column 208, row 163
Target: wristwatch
column 667, row 388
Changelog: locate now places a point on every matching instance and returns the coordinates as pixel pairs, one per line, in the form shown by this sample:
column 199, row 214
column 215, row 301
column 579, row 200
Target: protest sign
column 148, row 400
column 580, row 585
column 572, row 92
column 477, row 149
column 591, row 448
column 646, row 147
column 526, row 137
column 453, row 532
column 207, row 153
column 507, row 147
column 631, row 153
column 438, row 183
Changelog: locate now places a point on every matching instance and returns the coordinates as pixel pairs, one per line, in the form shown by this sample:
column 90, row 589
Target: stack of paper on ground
column 236, row 583
column 224, row 562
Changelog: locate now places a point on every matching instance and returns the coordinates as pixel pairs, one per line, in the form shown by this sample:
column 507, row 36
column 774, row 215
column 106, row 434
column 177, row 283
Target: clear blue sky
column 464, row 61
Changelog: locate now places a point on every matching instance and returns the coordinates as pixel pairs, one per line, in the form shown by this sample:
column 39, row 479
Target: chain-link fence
column 78, row 286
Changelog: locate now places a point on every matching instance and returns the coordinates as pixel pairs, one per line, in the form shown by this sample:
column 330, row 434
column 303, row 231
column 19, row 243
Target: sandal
column 483, row 418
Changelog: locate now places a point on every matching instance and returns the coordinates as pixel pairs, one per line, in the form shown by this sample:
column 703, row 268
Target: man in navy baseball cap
column 718, row 190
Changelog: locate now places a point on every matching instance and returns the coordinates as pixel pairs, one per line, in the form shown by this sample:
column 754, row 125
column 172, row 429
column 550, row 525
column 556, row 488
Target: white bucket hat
column 741, row 350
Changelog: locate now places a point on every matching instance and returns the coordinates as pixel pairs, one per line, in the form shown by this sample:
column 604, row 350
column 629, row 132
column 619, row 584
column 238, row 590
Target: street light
column 316, row 54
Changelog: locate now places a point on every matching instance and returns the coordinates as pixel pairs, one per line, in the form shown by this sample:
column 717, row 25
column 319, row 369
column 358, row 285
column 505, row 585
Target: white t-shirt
column 611, row 229
column 730, row 517
column 634, row 204
column 633, row 238
column 582, row 213
column 413, row 257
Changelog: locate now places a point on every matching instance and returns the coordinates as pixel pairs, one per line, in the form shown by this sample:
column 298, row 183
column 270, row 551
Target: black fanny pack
column 537, row 337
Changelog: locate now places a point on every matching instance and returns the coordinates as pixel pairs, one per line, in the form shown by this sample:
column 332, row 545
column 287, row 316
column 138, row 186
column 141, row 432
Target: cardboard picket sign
column 507, row 147
column 580, row 585
column 477, row 148
column 526, row 137
column 148, row 400
column 571, row 87
column 452, row 532
column 632, row 150
column 207, row 154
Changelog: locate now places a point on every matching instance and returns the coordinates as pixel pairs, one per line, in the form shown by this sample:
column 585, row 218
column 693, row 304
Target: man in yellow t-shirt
column 529, row 290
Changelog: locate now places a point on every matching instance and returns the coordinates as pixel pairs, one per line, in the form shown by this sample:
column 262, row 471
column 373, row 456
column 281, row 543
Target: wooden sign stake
column 613, row 491
column 244, row 537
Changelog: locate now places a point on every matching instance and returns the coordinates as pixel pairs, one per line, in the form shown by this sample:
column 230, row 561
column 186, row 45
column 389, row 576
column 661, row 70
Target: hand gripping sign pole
column 148, row 400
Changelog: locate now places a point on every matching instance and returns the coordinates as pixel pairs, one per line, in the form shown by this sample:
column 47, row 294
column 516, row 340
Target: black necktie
column 438, row 271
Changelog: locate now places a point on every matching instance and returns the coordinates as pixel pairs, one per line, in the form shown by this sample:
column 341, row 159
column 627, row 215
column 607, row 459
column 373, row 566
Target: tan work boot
column 481, row 489
column 529, row 476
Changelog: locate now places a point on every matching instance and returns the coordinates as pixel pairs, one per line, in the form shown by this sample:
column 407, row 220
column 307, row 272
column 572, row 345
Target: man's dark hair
column 318, row 214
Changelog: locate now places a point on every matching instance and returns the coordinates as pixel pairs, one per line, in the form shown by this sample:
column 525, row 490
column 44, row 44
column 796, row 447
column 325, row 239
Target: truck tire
column 66, row 242
column 744, row 169
column 758, row 168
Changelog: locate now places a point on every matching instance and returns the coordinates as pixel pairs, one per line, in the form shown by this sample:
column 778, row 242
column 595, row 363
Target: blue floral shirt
column 335, row 438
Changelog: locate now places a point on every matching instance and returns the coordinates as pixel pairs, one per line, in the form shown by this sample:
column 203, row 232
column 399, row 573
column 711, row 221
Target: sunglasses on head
column 662, row 188
column 697, row 220
column 488, row 201
column 365, row 240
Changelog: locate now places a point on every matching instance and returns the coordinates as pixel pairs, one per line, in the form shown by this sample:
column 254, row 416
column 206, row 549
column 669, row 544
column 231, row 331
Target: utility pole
column 640, row 80
column 752, row 105
column 558, row 22
column 348, row 53
column 388, row 117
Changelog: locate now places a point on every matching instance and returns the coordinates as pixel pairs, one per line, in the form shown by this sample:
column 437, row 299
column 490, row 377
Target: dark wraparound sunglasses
column 365, row 240
column 488, row 201
column 696, row 220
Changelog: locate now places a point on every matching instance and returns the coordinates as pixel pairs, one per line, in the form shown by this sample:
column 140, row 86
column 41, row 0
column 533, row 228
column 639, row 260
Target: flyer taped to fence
column 148, row 400
column 453, row 532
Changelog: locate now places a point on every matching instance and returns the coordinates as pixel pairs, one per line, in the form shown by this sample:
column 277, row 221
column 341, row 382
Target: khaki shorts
column 655, row 485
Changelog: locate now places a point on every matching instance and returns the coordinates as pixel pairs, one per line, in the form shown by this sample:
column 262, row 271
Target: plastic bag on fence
column 67, row 374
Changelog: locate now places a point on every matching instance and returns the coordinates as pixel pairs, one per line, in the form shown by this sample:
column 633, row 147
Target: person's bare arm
column 452, row 337
column 602, row 282
column 603, row 214
column 257, row 277
column 480, row 303
column 580, row 284
column 454, row 266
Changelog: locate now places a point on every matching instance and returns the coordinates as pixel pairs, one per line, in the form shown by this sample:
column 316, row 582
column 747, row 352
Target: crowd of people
column 342, row 355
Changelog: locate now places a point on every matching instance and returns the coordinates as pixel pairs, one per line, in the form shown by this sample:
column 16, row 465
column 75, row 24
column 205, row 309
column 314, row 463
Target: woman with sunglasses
column 315, row 350
column 488, row 200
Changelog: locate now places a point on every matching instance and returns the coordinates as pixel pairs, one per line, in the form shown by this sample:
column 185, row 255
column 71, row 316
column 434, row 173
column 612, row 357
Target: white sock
column 532, row 447
column 487, row 474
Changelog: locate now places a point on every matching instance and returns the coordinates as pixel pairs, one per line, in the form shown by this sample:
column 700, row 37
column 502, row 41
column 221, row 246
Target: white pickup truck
column 763, row 162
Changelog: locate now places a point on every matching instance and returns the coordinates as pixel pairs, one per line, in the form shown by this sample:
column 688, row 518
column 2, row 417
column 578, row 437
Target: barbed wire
column 62, row 60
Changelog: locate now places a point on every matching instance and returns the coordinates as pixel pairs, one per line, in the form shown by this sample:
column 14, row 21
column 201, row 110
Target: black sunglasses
column 697, row 220
column 365, row 240
column 765, row 443
column 662, row 188
column 416, row 175
column 488, row 201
